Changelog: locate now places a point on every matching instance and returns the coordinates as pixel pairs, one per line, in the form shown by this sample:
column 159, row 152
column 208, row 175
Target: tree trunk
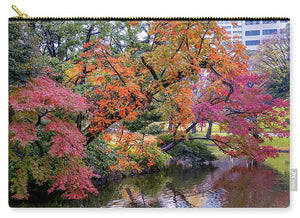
column 170, row 123
column 172, row 144
column 194, row 130
column 208, row 133
column 170, row 126
column 79, row 121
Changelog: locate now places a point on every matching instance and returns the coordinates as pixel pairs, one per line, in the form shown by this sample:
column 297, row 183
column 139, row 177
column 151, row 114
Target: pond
column 229, row 183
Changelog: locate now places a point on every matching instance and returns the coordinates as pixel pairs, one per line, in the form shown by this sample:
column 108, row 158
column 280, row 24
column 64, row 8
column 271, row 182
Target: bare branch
column 224, row 82
column 149, row 67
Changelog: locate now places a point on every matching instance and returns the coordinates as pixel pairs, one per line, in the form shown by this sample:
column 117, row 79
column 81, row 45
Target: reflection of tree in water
column 251, row 187
column 168, row 188
column 106, row 194
column 231, row 184
column 149, row 185
column 187, row 177
column 179, row 198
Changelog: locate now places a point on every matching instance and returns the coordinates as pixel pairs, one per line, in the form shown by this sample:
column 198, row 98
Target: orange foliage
column 125, row 84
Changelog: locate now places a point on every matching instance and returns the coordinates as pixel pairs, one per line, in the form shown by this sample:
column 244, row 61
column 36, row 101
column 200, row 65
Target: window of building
column 252, row 22
column 238, row 26
column 269, row 21
column 237, row 32
column 224, row 22
column 252, row 42
column 252, row 33
column 270, row 32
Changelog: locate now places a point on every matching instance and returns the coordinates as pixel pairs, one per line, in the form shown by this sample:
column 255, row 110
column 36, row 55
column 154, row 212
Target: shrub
column 196, row 152
column 154, row 129
column 159, row 160
column 99, row 158
column 142, row 121
column 165, row 138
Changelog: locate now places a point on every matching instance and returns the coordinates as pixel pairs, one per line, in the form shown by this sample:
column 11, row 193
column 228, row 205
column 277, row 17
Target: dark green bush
column 195, row 151
column 142, row 121
column 166, row 138
column 98, row 159
column 154, row 129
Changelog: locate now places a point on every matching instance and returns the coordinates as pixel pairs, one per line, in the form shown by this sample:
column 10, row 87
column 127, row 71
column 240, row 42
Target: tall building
column 256, row 31
column 252, row 33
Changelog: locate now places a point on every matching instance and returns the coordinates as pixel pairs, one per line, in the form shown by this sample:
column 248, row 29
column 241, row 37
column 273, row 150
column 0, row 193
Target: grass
column 215, row 150
column 279, row 143
column 165, row 124
column 280, row 163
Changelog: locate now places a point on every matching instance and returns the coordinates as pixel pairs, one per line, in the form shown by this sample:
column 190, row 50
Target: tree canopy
column 101, row 73
column 273, row 58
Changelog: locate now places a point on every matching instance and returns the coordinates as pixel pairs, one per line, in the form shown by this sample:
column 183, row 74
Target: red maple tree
column 124, row 85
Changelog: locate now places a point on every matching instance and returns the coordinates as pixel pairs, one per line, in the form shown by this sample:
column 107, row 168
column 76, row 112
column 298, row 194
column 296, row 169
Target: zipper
column 23, row 16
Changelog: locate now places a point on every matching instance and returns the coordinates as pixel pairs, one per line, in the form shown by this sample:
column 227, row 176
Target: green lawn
column 280, row 163
column 279, row 143
column 215, row 150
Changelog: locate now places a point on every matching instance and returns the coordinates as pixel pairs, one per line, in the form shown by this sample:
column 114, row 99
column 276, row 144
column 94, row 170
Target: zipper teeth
column 149, row 18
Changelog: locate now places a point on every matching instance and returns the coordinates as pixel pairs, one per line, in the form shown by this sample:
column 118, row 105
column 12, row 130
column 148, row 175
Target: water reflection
column 230, row 183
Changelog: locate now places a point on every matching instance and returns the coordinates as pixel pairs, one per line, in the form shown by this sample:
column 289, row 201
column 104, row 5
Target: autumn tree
column 44, row 144
column 127, row 84
column 273, row 58
column 248, row 117
column 24, row 55
column 121, row 79
column 43, row 131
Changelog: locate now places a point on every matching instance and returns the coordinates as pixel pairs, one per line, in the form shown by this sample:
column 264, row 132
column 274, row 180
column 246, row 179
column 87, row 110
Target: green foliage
column 273, row 58
column 27, row 167
column 142, row 121
column 100, row 156
column 158, row 162
column 25, row 59
column 83, row 88
column 165, row 139
column 139, row 124
column 194, row 151
column 155, row 129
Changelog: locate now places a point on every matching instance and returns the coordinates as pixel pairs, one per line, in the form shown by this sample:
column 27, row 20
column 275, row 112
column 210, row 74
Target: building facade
column 252, row 33
column 256, row 31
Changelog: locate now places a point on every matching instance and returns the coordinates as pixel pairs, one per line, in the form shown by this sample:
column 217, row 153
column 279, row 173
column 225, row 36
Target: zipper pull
column 21, row 15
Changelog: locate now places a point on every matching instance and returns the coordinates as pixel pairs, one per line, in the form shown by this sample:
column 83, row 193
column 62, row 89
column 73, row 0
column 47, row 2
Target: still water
column 229, row 183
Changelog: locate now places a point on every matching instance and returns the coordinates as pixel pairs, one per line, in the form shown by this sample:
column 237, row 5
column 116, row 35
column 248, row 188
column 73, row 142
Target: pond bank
column 123, row 175
column 104, row 180
column 230, row 183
